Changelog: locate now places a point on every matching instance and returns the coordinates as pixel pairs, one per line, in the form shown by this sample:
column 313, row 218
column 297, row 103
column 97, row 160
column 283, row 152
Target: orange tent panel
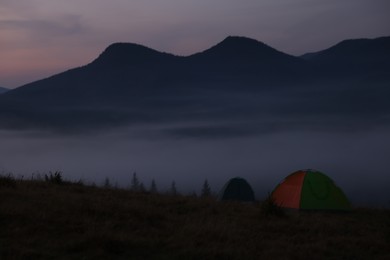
column 288, row 193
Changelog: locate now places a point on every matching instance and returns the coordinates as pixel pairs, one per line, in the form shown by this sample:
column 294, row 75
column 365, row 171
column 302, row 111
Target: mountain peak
column 241, row 44
column 119, row 54
column 239, row 39
column 240, row 48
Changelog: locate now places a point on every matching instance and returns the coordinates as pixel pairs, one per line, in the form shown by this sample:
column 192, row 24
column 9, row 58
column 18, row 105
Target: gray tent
column 237, row 189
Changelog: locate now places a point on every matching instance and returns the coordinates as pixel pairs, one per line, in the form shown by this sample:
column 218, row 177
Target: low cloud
column 66, row 25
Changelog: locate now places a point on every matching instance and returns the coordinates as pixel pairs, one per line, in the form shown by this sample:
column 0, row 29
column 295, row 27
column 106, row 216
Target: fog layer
column 357, row 162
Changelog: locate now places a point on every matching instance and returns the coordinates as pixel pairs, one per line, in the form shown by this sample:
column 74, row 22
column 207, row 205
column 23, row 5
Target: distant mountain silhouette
column 119, row 55
column 3, row 90
column 239, row 79
column 243, row 58
column 367, row 56
column 245, row 50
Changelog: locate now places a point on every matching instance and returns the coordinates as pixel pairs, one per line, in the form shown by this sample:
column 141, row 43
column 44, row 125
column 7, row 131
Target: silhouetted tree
column 173, row 189
column 107, row 183
column 153, row 187
column 135, row 182
column 206, row 190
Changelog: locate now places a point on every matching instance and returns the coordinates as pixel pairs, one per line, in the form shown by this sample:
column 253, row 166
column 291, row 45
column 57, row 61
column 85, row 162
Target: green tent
column 237, row 189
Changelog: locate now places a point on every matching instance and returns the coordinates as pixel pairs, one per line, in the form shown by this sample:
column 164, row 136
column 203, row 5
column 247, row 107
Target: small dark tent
column 237, row 189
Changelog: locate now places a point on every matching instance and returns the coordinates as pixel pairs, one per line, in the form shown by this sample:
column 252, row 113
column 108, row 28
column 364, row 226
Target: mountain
column 367, row 56
column 245, row 58
column 120, row 70
column 3, row 90
column 238, row 51
column 238, row 79
column 119, row 55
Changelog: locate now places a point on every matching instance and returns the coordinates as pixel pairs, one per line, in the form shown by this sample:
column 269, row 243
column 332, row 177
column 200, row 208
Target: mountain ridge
column 355, row 55
column 239, row 53
column 140, row 63
column 236, row 79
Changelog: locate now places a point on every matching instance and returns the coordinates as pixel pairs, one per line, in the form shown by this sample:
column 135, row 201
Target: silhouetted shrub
column 54, row 177
column 7, row 181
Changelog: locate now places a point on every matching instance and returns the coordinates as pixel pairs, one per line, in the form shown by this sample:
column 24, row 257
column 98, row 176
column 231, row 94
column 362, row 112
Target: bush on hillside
column 54, row 177
column 7, row 181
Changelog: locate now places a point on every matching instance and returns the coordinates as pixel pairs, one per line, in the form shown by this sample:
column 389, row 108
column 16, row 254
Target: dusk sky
column 39, row 38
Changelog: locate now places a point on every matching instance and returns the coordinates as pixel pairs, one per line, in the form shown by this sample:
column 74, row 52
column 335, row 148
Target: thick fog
column 357, row 162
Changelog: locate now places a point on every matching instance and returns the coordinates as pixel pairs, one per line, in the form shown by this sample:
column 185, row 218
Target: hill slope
column 42, row 220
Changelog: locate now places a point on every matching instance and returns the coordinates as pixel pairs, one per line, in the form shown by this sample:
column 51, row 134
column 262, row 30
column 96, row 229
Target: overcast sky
column 41, row 37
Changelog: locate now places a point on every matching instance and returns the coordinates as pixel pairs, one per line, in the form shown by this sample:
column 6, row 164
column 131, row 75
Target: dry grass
column 44, row 220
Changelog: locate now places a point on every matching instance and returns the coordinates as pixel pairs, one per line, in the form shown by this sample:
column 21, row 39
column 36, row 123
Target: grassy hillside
column 49, row 220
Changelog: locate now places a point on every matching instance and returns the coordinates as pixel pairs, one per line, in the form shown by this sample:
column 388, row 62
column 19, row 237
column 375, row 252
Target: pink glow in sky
column 39, row 38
